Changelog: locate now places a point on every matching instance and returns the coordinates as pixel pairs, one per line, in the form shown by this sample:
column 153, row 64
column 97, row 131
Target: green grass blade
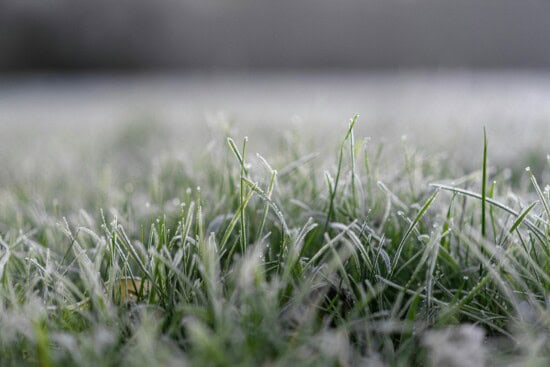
column 521, row 217
column 484, row 186
column 412, row 226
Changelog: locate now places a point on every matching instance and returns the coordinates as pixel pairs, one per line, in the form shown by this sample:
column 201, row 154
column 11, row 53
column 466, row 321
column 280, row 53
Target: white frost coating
column 460, row 346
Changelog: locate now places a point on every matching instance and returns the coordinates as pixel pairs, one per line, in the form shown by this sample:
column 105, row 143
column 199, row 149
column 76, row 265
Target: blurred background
column 267, row 34
column 434, row 70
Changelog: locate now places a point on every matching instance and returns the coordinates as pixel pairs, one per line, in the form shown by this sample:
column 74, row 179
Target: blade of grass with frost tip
column 268, row 194
column 483, row 196
column 445, row 240
column 244, row 172
column 380, row 252
column 332, row 193
column 412, row 226
column 330, row 182
column 210, row 271
column 199, row 219
column 266, row 207
column 540, row 235
column 235, row 151
column 368, row 172
column 540, row 194
column 521, row 217
column 234, row 221
column 353, row 173
column 155, row 265
column 254, row 187
column 187, row 223
column 484, row 185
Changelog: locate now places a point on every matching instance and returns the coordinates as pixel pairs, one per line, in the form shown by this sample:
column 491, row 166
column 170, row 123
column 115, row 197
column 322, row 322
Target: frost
column 460, row 346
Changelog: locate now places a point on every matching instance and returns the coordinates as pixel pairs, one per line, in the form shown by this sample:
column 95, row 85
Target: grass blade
column 409, row 230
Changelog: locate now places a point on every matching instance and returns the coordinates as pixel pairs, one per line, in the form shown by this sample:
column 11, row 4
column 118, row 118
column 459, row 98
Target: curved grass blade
column 521, row 217
column 540, row 235
column 411, row 228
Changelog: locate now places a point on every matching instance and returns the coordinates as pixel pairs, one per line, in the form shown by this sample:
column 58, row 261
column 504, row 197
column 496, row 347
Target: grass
column 141, row 256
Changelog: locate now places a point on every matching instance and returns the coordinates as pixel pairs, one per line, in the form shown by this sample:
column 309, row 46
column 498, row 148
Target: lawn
column 132, row 249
